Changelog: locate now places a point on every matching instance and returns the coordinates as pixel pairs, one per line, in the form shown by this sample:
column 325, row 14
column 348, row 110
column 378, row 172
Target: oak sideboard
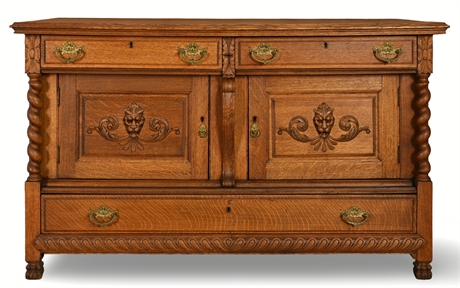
column 228, row 136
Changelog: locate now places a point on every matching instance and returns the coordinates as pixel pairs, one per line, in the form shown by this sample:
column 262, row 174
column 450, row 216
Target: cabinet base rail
column 224, row 243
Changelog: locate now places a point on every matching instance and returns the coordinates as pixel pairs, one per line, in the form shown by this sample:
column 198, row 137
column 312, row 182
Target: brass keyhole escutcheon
column 255, row 132
column 202, row 130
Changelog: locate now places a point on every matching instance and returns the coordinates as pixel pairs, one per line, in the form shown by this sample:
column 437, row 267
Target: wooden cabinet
column 228, row 136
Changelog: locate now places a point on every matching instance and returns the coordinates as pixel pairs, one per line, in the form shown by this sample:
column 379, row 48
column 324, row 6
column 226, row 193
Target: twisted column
column 422, row 130
column 35, row 124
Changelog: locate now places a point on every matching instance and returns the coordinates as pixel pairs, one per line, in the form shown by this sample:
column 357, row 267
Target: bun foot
column 34, row 270
column 422, row 270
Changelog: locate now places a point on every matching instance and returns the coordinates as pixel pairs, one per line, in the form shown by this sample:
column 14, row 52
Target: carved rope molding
column 35, row 124
column 134, row 121
column 32, row 56
column 324, row 122
column 210, row 244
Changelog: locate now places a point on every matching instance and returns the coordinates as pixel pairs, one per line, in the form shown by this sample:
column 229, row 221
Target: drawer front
column 65, row 213
column 332, row 53
column 135, row 52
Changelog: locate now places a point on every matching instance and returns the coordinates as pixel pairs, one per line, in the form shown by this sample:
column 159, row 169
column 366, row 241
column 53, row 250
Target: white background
column 231, row 270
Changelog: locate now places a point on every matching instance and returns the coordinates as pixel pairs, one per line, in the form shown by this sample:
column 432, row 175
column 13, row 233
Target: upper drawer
column 327, row 53
column 131, row 53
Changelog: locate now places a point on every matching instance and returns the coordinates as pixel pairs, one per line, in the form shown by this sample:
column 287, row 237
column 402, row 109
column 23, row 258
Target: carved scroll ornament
column 324, row 122
column 134, row 121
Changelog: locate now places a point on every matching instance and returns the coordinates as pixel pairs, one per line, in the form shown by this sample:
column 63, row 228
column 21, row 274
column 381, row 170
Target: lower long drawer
column 227, row 213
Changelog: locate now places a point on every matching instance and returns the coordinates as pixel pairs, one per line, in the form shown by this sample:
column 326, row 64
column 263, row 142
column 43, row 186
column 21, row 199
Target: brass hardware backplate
column 69, row 48
column 387, row 52
column 192, row 53
column 264, row 50
column 354, row 213
column 103, row 212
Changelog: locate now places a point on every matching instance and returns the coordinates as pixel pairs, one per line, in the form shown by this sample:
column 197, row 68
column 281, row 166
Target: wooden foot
column 34, row 270
column 422, row 270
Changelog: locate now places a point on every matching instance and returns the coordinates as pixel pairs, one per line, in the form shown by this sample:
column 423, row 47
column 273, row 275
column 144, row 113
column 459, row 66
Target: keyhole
column 130, row 44
column 325, row 45
column 229, row 209
column 254, row 119
column 202, row 119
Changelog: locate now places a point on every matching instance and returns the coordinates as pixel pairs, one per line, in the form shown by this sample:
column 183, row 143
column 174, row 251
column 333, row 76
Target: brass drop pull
column 254, row 128
column 264, row 53
column 202, row 130
column 104, row 213
column 192, row 53
column 69, row 48
column 354, row 216
column 387, row 52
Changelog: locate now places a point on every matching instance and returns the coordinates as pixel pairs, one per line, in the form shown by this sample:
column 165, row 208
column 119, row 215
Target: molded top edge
column 226, row 27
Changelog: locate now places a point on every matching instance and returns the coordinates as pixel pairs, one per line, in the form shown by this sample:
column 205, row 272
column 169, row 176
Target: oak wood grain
column 131, row 52
column 370, row 100
column 181, row 101
column 33, row 256
column 49, row 114
column 254, row 187
column 229, row 155
column 330, row 53
column 406, row 131
column 226, row 213
column 215, row 128
column 228, row 27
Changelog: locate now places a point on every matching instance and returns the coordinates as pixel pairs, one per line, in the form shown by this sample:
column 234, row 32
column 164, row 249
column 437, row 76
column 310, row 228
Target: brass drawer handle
column 387, row 52
column 353, row 215
column 104, row 213
column 69, row 48
column 264, row 50
column 192, row 53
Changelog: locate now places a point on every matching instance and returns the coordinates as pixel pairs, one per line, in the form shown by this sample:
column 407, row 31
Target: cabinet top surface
column 228, row 27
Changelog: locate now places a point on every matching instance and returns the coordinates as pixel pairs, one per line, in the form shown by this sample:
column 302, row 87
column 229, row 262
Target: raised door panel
column 133, row 127
column 324, row 127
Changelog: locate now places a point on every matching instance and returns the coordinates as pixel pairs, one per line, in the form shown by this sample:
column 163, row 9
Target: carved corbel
column 228, row 49
column 32, row 56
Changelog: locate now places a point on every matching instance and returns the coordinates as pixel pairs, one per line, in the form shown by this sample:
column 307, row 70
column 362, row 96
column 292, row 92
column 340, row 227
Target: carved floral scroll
column 134, row 121
column 324, row 122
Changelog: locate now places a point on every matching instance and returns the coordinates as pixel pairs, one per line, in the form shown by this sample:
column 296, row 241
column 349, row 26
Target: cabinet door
column 133, row 127
column 323, row 127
